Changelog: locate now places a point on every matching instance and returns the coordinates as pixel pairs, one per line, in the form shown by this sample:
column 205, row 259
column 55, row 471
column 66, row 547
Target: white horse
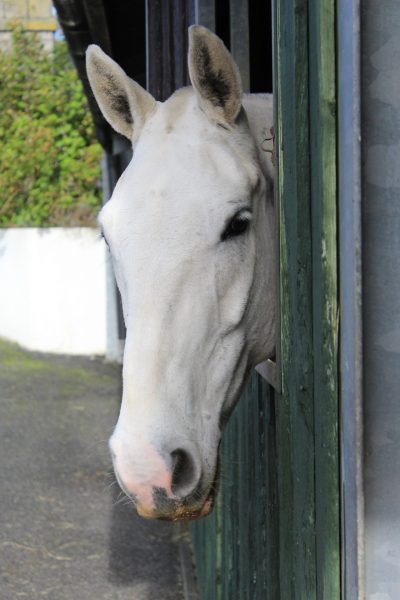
column 190, row 227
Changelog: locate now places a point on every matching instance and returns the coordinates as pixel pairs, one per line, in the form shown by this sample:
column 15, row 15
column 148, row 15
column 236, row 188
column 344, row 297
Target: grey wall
column 381, row 294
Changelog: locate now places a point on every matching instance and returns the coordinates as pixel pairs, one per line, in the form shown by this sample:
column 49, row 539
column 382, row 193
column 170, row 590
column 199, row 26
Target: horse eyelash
column 238, row 215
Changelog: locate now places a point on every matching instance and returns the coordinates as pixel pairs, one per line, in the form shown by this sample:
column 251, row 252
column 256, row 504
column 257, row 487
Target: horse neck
column 259, row 110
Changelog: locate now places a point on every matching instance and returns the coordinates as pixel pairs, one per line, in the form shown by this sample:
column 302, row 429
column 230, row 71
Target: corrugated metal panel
column 380, row 93
column 240, row 47
column 167, row 45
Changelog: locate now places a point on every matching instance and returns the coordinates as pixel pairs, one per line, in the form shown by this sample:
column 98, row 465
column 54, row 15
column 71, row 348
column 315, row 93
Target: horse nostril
column 183, row 473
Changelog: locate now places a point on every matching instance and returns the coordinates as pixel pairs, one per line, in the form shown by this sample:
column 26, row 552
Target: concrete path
column 64, row 534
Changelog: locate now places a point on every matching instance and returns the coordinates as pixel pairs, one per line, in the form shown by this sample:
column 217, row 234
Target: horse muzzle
column 177, row 511
column 169, row 486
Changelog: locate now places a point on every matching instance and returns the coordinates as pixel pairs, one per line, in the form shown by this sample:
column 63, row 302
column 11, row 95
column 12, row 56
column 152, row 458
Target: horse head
column 190, row 227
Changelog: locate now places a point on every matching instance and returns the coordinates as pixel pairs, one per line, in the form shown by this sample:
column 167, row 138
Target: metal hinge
column 270, row 372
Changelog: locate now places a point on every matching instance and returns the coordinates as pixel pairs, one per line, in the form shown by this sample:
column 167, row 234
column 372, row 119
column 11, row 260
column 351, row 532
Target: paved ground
column 63, row 533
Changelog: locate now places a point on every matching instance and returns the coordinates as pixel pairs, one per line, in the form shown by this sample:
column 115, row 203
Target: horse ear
column 123, row 102
column 214, row 75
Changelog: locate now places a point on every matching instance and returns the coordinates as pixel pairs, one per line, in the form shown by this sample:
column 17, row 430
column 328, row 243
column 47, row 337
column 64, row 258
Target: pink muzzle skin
column 140, row 480
column 148, row 480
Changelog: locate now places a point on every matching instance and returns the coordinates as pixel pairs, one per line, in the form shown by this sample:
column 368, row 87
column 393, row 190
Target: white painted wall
column 57, row 292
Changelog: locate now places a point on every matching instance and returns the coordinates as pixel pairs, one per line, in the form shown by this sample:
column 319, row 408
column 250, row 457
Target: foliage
column 50, row 171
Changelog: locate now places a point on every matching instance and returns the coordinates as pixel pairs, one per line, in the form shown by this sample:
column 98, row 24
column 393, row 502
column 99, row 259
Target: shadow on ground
column 64, row 532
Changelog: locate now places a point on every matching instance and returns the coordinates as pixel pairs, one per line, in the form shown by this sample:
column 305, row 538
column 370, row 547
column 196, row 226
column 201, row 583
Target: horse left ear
column 123, row 102
column 214, row 75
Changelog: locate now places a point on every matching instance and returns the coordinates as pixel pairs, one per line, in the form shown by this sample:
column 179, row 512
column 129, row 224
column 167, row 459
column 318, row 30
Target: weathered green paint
column 236, row 545
column 275, row 532
column 325, row 292
column 295, row 410
column 307, row 419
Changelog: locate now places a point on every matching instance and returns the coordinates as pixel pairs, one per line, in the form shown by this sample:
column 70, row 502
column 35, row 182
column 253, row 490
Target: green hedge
column 50, row 160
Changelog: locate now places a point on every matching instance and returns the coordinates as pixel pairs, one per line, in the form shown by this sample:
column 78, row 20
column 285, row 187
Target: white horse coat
column 190, row 227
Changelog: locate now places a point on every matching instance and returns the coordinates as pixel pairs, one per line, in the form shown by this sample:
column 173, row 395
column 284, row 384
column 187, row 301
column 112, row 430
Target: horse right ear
column 123, row 102
column 214, row 75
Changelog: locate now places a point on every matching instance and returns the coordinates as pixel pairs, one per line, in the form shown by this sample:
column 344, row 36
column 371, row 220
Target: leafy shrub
column 50, row 161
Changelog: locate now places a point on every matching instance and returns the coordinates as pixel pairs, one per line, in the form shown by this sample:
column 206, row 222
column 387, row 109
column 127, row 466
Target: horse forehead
column 186, row 167
column 181, row 177
column 180, row 140
column 182, row 166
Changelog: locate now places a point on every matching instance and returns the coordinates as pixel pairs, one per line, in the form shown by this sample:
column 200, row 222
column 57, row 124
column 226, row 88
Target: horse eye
column 237, row 225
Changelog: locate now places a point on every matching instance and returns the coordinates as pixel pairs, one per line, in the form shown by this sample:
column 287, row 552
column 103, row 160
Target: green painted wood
column 295, row 410
column 323, row 124
column 307, row 421
column 247, row 509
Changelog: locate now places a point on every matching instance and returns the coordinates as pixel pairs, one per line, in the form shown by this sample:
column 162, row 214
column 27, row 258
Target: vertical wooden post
column 322, row 85
column 295, row 408
column 307, row 413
